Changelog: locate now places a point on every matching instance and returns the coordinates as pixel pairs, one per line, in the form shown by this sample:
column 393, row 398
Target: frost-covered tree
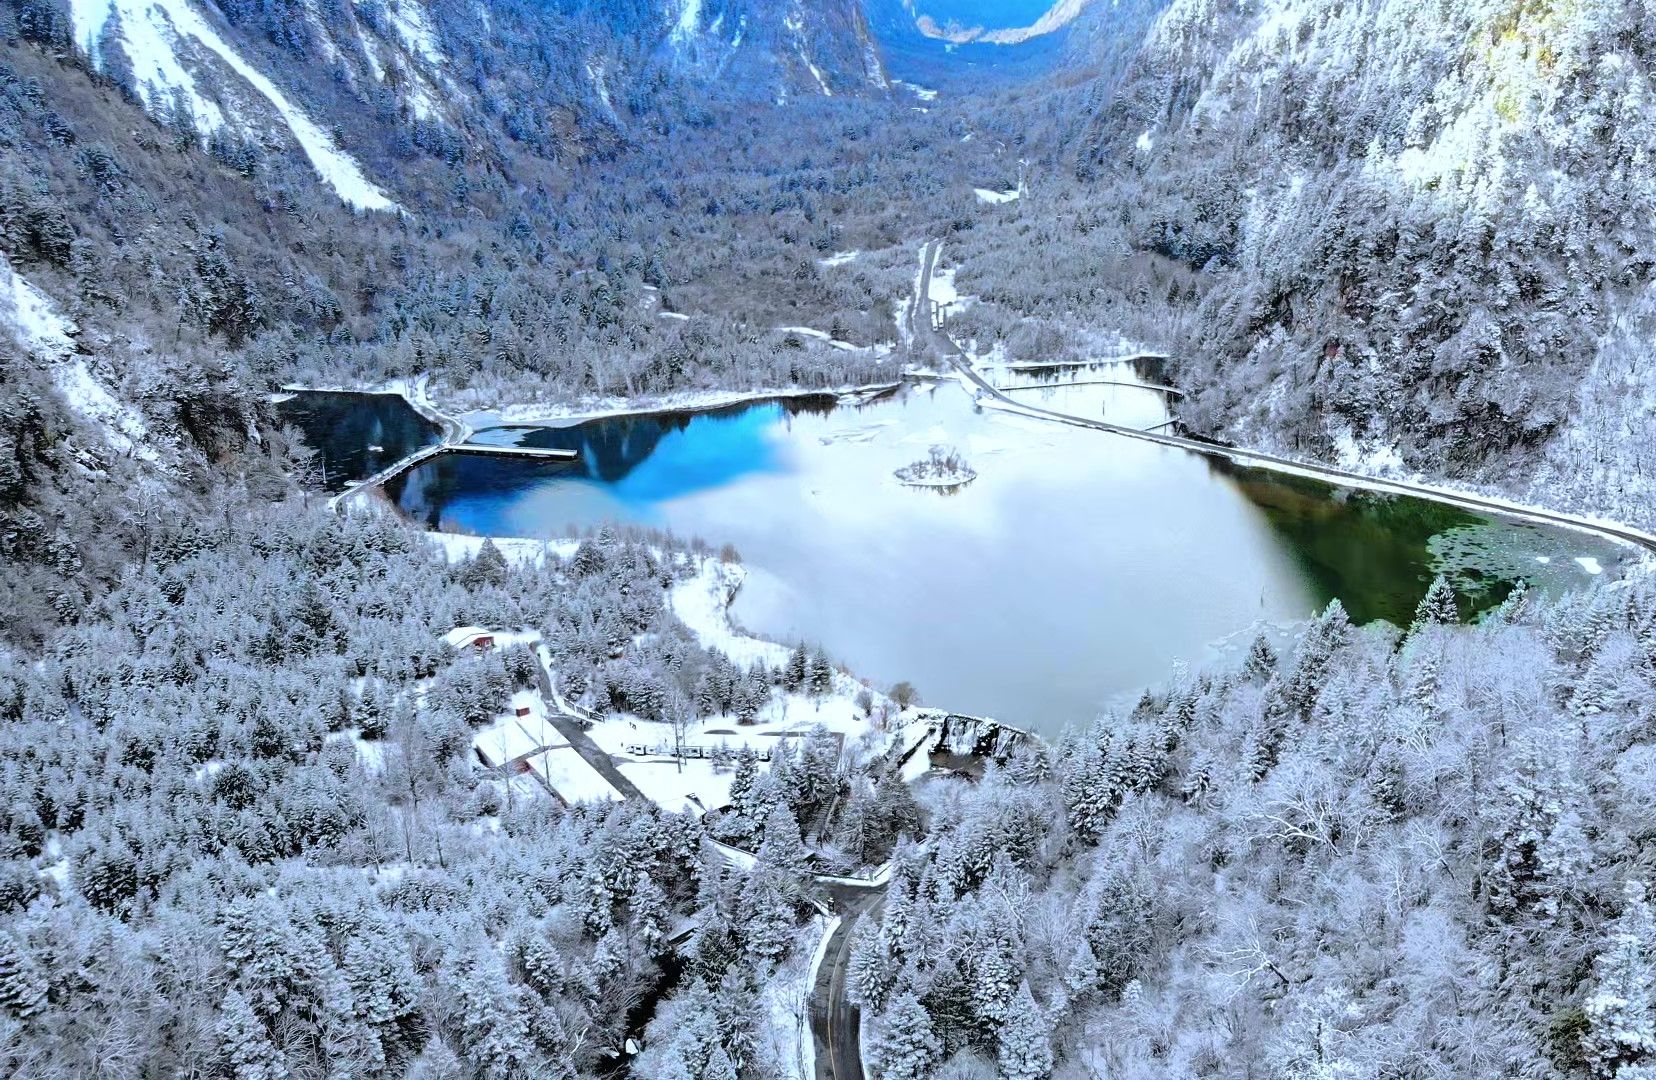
column 906, row 1048
column 1621, row 1000
column 1438, row 607
column 1024, row 1038
column 244, row 1043
column 870, row 972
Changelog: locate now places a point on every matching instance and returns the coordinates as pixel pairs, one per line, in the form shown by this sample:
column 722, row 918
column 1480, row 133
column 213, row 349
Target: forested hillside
column 1376, row 855
column 1416, row 228
column 244, row 833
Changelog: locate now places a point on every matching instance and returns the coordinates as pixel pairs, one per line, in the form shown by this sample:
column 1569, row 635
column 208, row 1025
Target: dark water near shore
column 355, row 435
column 1077, row 567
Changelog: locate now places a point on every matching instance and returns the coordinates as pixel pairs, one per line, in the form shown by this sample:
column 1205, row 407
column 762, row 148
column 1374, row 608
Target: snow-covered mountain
column 961, row 23
column 974, row 43
column 559, row 77
column 180, row 59
column 774, row 49
column 1426, row 227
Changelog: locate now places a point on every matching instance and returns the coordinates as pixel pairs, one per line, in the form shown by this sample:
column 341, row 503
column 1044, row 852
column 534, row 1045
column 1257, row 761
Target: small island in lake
column 945, row 468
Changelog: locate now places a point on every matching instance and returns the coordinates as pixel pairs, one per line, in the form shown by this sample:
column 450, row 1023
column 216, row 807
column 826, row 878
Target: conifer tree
column 767, row 915
column 244, row 1043
column 1438, row 607
column 869, row 972
column 907, row 1048
column 821, row 674
column 795, row 672
column 1621, row 1004
column 493, row 1026
column 1262, row 660
column 1025, row 1038
column 22, row 986
column 781, row 847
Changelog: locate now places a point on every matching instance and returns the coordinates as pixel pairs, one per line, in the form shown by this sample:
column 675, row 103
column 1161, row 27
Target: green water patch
column 1484, row 559
column 1378, row 552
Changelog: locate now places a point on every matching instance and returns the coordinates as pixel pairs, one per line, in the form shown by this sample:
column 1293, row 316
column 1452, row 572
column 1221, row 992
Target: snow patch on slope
column 151, row 34
column 796, row 26
column 122, row 426
column 147, row 39
column 1371, row 458
column 40, row 328
column 689, row 21
column 409, row 21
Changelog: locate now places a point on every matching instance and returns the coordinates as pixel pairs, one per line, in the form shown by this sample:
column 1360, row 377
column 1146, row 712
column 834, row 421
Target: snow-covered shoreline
column 643, row 751
column 686, row 401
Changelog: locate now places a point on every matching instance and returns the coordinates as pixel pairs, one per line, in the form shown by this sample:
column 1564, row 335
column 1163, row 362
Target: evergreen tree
column 1025, row 1038
column 22, row 986
column 1621, row 1004
column 719, row 1066
column 1437, row 608
column 244, row 1043
column 1262, row 660
column 906, row 1047
column 780, row 846
column 869, row 972
column 821, row 677
column 648, row 913
column 795, row 671
column 767, row 915
column 995, row 968
column 1081, row 973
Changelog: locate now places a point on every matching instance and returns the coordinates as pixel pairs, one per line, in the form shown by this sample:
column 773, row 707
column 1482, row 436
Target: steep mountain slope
column 558, row 78
column 1414, row 224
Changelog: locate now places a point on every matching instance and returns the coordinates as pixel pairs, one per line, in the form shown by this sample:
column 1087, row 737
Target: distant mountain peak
column 955, row 29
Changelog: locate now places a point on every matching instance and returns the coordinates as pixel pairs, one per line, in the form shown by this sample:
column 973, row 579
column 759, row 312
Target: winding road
column 944, row 346
column 836, row 1024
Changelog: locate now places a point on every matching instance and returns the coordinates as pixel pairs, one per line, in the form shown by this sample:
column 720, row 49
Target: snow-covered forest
column 245, row 833
column 1381, row 853
column 245, row 827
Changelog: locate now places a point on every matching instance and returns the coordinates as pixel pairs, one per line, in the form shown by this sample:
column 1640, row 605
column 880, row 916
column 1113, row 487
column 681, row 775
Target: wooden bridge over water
column 425, row 454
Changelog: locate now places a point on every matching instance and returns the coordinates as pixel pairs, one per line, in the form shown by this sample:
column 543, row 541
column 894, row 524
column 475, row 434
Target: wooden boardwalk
column 425, row 454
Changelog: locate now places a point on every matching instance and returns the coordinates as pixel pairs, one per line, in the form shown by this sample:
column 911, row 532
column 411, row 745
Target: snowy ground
column 1366, row 458
column 823, row 336
column 35, row 317
column 838, row 258
column 786, row 1000
column 50, row 336
column 644, row 750
column 995, row 198
column 943, row 291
